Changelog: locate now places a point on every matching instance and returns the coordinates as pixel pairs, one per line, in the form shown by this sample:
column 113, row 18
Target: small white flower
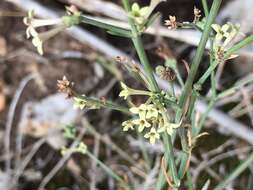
column 142, row 123
column 81, row 148
column 79, row 103
column 152, row 112
column 141, row 110
column 40, row 38
column 33, row 23
column 140, row 14
column 225, row 33
column 59, row 24
column 152, row 135
column 128, row 125
column 125, row 91
column 168, row 127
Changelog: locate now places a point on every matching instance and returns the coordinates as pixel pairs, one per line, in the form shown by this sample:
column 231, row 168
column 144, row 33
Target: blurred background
column 32, row 112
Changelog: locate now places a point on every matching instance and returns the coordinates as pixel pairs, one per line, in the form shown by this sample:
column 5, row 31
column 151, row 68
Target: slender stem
column 140, row 50
column 239, row 45
column 189, row 82
column 170, row 158
column 160, row 181
column 144, row 152
column 200, row 51
column 109, row 27
column 144, row 60
column 108, row 170
column 189, row 180
column 205, row 6
column 244, row 165
column 197, row 130
column 236, row 87
column 172, row 89
column 105, row 104
column 136, row 38
column 111, row 144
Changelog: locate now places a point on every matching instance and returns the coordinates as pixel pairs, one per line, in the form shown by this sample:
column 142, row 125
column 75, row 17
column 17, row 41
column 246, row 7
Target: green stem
column 235, row 173
column 189, row 82
column 144, row 152
column 236, row 86
column 189, row 180
column 169, row 156
column 197, row 130
column 160, row 181
column 239, row 45
column 144, row 60
column 205, row 6
column 109, row 27
column 105, row 104
column 108, row 170
column 136, row 38
column 200, row 52
column 111, row 144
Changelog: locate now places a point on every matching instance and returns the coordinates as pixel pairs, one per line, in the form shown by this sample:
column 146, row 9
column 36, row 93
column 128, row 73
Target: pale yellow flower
column 79, row 103
column 125, row 92
column 142, row 124
column 141, row 110
column 152, row 135
column 59, row 24
column 128, row 125
column 33, row 23
column 169, row 127
column 152, row 111
column 40, row 38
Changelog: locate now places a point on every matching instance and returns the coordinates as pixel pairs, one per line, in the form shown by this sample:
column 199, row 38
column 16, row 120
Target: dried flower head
column 171, row 22
column 197, row 14
column 65, row 86
column 165, row 73
column 220, row 53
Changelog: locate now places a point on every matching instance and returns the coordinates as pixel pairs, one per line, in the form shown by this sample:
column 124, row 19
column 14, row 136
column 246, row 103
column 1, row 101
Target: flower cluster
column 151, row 120
column 223, row 37
column 60, row 24
column 138, row 13
column 225, row 34
column 141, row 14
